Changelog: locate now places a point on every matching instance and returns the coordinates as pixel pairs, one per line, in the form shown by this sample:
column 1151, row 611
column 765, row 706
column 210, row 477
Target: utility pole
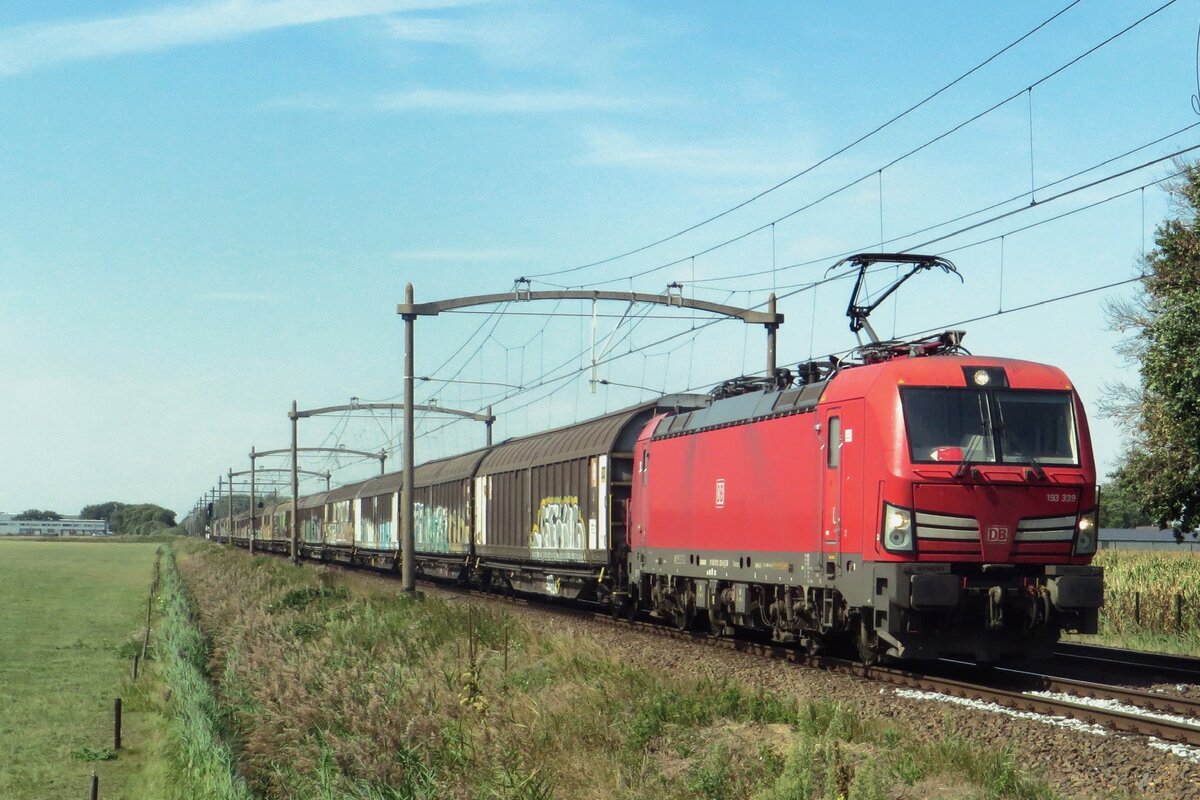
column 252, row 527
column 231, row 505
column 406, row 536
column 408, row 579
column 295, row 490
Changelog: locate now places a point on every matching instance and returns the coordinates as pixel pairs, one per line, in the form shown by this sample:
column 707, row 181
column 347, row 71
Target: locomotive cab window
column 1009, row 426
column 833, row 444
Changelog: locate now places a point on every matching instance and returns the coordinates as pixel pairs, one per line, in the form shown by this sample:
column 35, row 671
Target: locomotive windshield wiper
column 1011, row 444
column 985, row 427
column 966, row 462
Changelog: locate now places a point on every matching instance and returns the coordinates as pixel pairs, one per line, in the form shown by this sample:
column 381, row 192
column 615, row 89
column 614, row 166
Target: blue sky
column 211, row 208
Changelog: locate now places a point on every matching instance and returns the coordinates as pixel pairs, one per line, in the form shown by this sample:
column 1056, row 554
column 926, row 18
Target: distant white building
column 67, row 526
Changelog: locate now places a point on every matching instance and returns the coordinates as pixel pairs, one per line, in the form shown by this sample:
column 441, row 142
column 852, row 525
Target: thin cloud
column 462, row 254
column 614, row 148
column 241, row 297
column 520, row 102
column 28, row 47
column 449, row 101
column 578, row 38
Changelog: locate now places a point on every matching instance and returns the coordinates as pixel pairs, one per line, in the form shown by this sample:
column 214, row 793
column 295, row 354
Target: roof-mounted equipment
column 744, row 384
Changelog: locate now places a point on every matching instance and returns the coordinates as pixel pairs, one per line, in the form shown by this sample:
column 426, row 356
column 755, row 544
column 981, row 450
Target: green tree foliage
column 101, row 511
column 1162, row 469
column 37, row 514
column 141, row 519
column 1120, row 506
column 132, row 520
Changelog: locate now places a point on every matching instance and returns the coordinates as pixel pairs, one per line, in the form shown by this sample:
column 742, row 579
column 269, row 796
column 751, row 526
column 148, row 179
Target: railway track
column 1089, row 655
column 1166, row 717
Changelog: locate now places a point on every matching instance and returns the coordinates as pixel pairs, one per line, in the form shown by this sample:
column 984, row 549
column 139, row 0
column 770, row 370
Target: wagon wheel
column 631, row 605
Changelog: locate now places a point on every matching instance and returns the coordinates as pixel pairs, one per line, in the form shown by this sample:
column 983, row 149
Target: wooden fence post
column 1178, row 614
column 117, row 724
column 1137, row 608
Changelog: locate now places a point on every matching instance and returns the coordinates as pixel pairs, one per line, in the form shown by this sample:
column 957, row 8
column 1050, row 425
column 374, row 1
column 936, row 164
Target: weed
column 94, row 754
column 298, row 599
column 907, row 768
column 368, row 695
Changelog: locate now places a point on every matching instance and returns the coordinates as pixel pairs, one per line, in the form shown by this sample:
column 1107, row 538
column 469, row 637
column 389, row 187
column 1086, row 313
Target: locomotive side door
column 831, row 488
column 841, row 495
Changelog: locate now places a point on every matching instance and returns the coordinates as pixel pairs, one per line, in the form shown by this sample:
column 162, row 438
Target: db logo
column 720, row 493
column 997, row 533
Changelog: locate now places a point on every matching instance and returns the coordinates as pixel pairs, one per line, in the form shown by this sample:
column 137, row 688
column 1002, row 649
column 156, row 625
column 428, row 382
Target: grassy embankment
column 71, row 618
column 334, row 687
column 1156, row 578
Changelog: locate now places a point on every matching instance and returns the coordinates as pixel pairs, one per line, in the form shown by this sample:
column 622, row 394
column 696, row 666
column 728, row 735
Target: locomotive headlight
column 1086, row 533
column 897, row 534
column 981, row 377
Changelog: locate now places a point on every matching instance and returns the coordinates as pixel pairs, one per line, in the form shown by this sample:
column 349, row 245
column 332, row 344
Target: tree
column 37, row 515
column 1120, row 507
column 101, row 510
column 141, row 519
column 132, row 520
column 1162, row 468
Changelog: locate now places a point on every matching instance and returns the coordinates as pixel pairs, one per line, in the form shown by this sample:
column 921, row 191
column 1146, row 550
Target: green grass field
column 71, row 616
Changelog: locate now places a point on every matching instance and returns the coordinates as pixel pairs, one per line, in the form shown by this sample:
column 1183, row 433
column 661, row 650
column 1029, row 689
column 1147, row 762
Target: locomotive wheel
column 683, row 617
column 867, row 643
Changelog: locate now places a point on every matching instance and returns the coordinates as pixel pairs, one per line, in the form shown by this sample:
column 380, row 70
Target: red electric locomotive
column 927, row 502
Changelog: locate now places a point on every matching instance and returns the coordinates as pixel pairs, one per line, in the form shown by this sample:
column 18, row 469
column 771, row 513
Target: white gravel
column 996, row 708
column 1115, row 705
column 1186, row 751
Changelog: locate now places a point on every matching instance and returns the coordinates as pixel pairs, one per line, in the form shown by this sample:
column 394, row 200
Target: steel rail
column 1188, row 666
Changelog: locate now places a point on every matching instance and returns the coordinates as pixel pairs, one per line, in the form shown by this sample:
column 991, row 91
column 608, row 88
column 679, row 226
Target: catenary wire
column 823, row 160
column 855, row 182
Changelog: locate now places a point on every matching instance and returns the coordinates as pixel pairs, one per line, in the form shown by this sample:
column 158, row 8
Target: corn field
column 1151, row 593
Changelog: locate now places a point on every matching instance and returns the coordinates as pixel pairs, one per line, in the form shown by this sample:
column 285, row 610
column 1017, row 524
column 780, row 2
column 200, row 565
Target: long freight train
column 920, row 502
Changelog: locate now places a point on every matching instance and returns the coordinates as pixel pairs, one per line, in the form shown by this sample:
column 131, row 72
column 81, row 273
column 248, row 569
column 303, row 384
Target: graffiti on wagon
column 559, row 525
column 431, row 528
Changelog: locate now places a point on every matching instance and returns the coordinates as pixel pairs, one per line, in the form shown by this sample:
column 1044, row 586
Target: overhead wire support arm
column 769, row 319
column 408, row 407
column 747, row 315
column 389, row 407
